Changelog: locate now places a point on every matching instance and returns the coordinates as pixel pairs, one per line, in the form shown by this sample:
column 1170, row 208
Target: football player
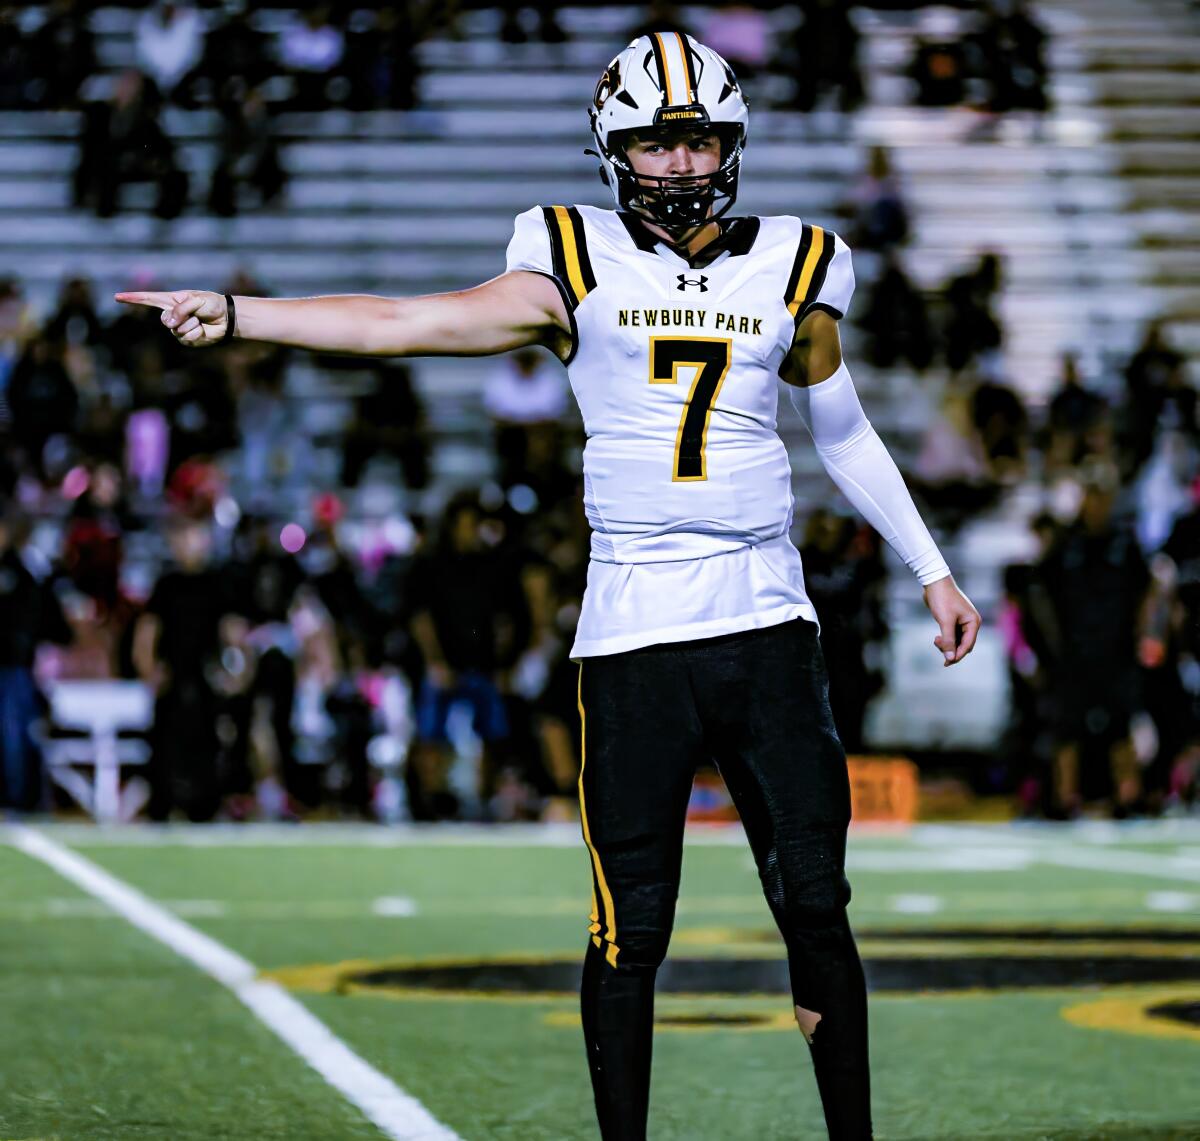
column 696, row 639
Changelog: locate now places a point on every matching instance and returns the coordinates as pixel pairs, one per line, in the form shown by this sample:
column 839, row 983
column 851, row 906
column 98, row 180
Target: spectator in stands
column 526, row 397
column 470, row 620
column 1026, row 747
column 200, row 410
column 939, row 70
column 381, row 59
column 845, row 579
column 62, row 56
column 334, row 576
column 268, row 429
column 1162, row 644
column 741, row 35
column 124, row 142
column 248, row 154
column 895, row 319
column 15, row 75
column 951, row 473
column 168, row 42
column 821, row 54
column 389, row 420
column 972, row 327
column 1151, row 364
column 42, row 399
column 661, row 16
column 547, row 29
column 236, row 58
column 1072, row 415
column 311, row 49
column 1011, row 45
column 566, row 542
column 177, row 649
column 265, row 580
column 29, row 615
column 92, row 557
column 75, row 320
column 1161, row 409
column 1093, row 586
column 1183, row 549
column 877, row 216
column 18, row 325
column 1002, row 422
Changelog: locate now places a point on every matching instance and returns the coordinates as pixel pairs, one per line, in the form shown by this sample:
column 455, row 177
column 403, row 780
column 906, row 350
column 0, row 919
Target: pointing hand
column 194, row 316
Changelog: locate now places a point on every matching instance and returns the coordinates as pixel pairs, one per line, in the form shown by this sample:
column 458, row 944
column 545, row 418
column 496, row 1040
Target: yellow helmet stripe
column 666, row 58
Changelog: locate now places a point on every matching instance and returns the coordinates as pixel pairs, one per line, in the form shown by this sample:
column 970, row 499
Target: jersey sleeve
column 553, row 240
column 530, row 244
column 822, row 275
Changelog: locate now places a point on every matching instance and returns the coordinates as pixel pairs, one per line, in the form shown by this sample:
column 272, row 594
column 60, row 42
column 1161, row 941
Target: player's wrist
column 230, row 318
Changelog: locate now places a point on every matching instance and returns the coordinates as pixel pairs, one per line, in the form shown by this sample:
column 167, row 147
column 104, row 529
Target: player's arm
column 857, row 461
column 509, row 312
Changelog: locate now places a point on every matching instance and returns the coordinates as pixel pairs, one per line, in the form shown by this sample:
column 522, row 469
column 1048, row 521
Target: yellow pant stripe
column 810, row 264
column 571, row 252
column 605, row 894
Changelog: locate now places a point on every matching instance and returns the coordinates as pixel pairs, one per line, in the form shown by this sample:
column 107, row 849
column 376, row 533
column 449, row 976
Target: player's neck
column 707, row 233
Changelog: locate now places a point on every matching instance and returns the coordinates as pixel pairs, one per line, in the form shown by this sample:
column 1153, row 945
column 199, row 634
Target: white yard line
column 397, row 1114
column 1179, row 901
column 1129, row 863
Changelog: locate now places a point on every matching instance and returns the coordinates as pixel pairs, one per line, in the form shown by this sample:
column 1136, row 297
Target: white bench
column 101, row 709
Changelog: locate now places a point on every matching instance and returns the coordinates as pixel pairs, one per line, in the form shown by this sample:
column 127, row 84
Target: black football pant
column 756, row 703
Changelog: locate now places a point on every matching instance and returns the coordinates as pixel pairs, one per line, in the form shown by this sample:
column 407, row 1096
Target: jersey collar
column 736, row 237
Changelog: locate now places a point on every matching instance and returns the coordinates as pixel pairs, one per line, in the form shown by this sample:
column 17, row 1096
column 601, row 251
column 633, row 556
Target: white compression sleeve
column 860, row 465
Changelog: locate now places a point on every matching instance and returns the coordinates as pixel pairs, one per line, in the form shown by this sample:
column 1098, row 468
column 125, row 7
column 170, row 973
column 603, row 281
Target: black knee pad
column 820, row 906
column 641, row 952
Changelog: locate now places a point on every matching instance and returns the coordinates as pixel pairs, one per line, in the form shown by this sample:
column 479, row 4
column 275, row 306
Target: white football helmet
column 661, row 81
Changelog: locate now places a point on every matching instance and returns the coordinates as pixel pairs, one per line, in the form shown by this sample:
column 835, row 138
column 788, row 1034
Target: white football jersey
column 675, row 369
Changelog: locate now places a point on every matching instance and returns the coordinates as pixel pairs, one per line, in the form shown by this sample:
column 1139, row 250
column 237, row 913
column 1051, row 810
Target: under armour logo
column 700, row 283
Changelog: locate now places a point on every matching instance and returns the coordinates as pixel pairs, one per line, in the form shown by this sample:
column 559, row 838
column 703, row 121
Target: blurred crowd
column 161, row 522
column 318, row 57
column 171, row 517
column 1102, row 629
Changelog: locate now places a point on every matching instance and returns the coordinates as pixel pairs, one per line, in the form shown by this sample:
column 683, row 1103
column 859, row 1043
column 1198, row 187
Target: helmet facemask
column 679, row 203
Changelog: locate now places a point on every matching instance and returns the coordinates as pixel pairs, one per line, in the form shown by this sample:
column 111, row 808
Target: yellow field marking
column 783, row 1021
column 1127, row 1013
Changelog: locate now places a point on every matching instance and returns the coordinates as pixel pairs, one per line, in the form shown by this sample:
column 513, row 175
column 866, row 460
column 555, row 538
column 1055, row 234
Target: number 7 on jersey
column 710, row 357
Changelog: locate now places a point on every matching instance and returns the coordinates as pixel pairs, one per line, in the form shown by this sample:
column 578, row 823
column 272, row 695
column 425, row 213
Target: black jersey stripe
column 689, row 67
column 585, row 261
column 813, row 255
column 558, row 258
column 568, row 251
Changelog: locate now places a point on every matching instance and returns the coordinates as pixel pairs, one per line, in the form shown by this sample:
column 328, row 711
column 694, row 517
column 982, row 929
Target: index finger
column 153, row 300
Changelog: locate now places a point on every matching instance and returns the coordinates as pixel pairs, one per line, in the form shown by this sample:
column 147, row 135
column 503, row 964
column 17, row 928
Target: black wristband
column 230, row 317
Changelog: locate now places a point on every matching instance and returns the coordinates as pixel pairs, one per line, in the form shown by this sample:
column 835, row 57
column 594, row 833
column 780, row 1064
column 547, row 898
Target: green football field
column 1028, row 982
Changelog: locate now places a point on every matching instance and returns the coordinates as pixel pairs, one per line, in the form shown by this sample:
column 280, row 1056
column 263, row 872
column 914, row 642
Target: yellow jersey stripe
column 571, row 253
column 810, row 265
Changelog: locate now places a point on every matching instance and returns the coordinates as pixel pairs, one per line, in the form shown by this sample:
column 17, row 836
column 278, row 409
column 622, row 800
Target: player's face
column 675, row 155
